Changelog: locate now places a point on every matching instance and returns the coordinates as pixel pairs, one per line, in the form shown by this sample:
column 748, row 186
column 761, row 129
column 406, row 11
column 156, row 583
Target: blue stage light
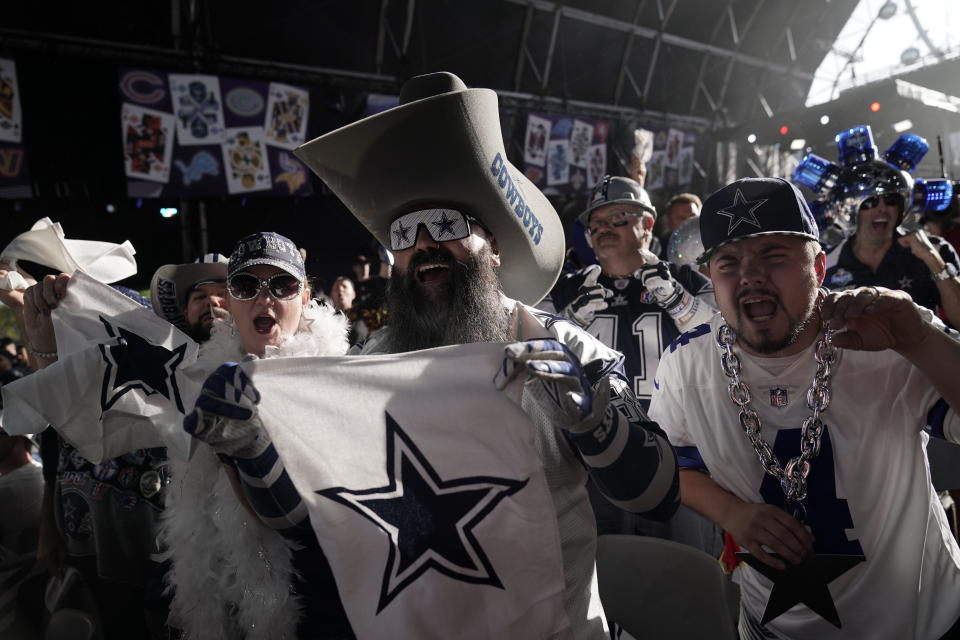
column 907, row 151
column 856, row 145
column 933, row 195
column 816, row 173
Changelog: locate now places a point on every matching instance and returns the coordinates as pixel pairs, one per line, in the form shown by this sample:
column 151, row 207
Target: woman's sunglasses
column 246, row 286
column 890, row 199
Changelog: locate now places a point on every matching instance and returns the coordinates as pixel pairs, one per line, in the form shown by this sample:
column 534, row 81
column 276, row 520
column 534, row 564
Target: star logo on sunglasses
column 444, row 225
column 402, row 233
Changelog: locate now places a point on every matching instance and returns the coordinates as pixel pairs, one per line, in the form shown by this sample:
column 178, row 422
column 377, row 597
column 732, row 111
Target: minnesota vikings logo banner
column 119, row 383
column 181, row 135
column 424, row 490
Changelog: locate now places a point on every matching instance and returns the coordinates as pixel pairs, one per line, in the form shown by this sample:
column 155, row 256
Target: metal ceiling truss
column 668, row 38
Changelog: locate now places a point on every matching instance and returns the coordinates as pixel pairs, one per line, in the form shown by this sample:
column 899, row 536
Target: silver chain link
column 793, row 476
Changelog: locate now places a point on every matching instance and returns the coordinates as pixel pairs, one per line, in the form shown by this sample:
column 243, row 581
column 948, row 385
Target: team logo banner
column 565, row 155
column 121, row 381
column 424, row 491
column 11, row 117
column 204, row 135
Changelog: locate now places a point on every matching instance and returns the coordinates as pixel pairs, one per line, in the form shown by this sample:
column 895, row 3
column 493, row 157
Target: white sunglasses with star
column 441, row 224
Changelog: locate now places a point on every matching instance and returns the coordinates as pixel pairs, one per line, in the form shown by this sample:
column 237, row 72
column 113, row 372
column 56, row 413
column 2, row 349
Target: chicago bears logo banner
column 119, row 383
column 424, row 490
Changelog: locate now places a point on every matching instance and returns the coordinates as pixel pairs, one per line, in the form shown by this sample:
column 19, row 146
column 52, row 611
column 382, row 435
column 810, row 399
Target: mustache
column 430, row 255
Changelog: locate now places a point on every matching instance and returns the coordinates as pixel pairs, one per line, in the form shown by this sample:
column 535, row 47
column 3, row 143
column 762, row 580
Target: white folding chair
column 656, row 588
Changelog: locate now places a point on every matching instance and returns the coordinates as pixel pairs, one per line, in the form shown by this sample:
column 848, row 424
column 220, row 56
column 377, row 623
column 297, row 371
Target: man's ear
column 494, row 251
column 820, row 267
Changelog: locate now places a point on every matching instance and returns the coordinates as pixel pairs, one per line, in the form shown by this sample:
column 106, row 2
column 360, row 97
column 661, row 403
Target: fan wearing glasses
column 883, row 255
column 638, row 305
column 271, row 315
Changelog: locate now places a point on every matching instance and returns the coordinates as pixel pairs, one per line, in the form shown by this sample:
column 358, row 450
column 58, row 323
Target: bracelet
column 48, row 355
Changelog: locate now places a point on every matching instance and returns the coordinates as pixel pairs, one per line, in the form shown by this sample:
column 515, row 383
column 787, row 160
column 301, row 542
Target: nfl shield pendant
column 778, row 397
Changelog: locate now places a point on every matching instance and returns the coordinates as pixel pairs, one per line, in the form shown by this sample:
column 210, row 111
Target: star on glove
column 591, row 298
column 659, row 282
column 225, row 414
column 557, row 383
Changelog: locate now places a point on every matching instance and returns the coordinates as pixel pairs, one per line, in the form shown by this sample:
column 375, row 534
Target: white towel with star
column 424, row 489
column 119, row 383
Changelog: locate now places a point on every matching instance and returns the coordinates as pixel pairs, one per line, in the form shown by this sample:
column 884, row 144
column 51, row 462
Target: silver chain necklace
column 793, row 476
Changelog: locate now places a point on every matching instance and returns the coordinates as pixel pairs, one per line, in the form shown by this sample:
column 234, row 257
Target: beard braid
column 467, row 309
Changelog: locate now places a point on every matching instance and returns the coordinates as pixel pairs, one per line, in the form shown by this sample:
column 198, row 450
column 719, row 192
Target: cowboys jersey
column 869, row 489
column 633, row 323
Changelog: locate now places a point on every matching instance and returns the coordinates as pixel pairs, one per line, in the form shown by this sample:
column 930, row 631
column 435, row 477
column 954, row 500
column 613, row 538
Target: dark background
column 633, row 62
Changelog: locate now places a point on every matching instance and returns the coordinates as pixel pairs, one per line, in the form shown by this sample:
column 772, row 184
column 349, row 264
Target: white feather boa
column 230, row 575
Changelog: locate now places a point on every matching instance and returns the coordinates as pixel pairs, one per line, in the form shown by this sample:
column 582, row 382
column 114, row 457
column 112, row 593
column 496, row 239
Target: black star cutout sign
column 804, row 583
column 444, row 225
column 134, row 363
column 402, row 233
column 742, row 210
column 429, row 521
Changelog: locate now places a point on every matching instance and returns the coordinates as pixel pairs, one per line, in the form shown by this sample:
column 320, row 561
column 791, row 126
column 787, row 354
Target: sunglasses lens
column 870, row 202
column 441, row 224
column 403, row 232
column 284, row 287
column 244, row 286
column 892, row 199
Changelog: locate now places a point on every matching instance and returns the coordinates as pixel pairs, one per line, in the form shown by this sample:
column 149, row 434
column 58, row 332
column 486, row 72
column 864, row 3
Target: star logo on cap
column 742, row 210
column 444, row 225
column 402, row 233
column 429, row 521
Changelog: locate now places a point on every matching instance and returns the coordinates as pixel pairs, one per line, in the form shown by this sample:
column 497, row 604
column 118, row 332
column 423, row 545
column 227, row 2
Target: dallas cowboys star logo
column 444, row 225
column 905, row 282
column 804, row 583
column 742, row 210
column 133, row 363
column 402, row 233
column 429, row 521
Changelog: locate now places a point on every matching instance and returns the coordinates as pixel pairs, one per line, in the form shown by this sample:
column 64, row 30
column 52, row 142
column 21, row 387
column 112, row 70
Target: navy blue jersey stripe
column 936, row 417
column 689, row 458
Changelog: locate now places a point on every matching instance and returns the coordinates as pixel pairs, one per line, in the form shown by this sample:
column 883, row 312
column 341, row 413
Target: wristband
column 684, row 308
column 48, row 355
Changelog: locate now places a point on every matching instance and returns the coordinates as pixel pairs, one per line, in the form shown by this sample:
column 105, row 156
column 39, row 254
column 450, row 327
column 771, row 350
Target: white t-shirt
column 869, row 490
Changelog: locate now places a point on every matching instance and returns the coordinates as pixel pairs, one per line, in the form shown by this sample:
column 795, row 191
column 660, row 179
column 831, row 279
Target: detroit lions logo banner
column 119, row 383
column 424, row 490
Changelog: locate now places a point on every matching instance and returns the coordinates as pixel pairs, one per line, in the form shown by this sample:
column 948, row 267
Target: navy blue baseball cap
column 753, row 207
column 267, row 247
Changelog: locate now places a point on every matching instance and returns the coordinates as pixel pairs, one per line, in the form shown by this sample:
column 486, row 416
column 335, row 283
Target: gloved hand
column 225, row 414
column 591, row 298
column 659, row 282
column 557, row 383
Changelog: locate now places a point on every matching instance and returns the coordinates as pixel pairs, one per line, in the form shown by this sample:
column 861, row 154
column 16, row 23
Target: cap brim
column 706, row 255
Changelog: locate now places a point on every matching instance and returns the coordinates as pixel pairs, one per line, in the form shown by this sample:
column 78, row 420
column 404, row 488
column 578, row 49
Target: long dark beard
column 467, row 308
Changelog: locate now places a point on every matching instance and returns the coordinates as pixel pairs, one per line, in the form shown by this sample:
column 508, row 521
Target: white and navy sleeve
column 270, row 492
column 629, row 457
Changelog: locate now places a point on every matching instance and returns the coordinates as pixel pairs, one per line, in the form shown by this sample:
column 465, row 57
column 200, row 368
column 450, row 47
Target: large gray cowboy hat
column 442, row 146
column 172, row 283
